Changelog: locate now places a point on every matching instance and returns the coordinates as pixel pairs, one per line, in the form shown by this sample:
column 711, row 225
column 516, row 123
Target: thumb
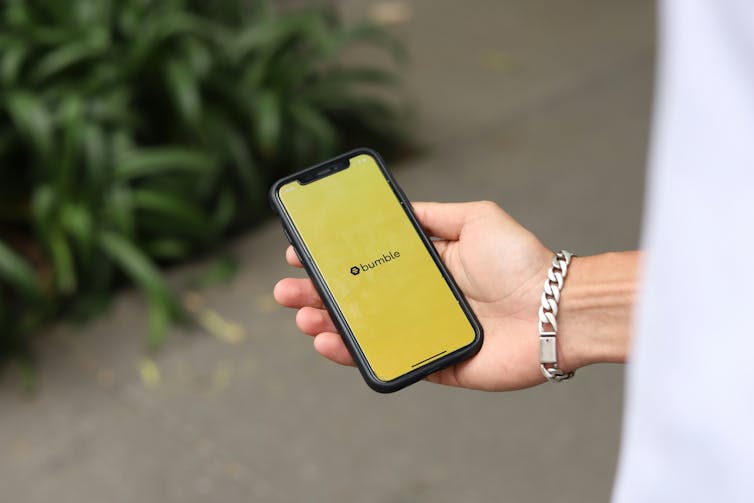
column 443, row 220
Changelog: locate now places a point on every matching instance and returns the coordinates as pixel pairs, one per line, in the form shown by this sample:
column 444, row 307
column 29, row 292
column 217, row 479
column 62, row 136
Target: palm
column 499, row 266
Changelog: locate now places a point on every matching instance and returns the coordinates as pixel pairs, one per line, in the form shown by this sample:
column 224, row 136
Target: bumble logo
column 386, row 257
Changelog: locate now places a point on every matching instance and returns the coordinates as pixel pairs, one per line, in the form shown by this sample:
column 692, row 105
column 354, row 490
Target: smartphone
column 397, row 308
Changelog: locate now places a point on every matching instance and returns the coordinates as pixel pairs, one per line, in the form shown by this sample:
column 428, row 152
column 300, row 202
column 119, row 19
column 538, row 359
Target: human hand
column 500, row 267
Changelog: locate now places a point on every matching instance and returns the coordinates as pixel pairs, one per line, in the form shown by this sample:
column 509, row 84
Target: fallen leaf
column 387, row 13
column 149, row 373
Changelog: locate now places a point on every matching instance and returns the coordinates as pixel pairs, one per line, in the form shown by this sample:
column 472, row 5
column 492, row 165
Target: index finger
column 292, row 258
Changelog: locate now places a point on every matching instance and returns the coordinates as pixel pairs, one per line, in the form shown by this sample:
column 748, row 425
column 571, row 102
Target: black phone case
column 337, row 316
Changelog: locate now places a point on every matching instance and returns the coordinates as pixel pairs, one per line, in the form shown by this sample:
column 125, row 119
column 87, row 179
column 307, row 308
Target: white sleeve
column 689, row 423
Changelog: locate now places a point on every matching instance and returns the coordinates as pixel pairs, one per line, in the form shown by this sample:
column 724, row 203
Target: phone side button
column 287, row 236
column 290, row 241
column 405, row 202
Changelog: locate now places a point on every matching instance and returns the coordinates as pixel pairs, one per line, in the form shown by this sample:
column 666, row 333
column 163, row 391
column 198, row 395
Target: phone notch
column 322, row 171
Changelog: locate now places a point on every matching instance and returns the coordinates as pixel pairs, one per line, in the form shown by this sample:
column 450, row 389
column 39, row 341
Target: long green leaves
column 145, row 163
column 141, row 270
column 16, row 272
column 138, row 132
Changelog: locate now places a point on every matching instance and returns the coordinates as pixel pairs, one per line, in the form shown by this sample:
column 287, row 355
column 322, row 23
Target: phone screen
column 385, row 283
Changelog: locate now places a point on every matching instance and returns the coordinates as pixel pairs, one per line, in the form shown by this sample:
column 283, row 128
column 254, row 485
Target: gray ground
column 542, row 106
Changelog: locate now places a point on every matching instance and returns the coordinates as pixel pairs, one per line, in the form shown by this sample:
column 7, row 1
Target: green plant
column 137, row 132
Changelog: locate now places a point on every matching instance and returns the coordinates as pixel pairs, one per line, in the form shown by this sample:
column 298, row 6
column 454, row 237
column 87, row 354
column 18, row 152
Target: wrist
column 595, row 310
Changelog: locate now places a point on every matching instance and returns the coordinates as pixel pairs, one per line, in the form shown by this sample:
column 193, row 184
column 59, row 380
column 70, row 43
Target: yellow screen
column 392, row 295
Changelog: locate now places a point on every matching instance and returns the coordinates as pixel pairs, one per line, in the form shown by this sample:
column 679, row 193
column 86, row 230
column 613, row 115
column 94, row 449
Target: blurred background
column 142, row 357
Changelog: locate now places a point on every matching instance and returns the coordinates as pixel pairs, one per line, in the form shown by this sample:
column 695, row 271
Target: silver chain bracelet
column 548, row 312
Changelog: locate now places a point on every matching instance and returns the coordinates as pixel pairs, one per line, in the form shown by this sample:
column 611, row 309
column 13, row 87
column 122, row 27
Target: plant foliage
column 137, row 132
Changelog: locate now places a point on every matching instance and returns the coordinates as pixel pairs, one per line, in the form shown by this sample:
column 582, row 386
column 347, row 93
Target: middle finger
column 297, row 292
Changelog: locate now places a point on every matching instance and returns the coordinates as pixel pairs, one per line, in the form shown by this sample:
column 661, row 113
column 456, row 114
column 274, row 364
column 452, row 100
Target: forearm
column 596, row 307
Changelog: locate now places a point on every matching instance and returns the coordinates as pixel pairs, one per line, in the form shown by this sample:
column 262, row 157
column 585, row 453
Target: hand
column 499, row 266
